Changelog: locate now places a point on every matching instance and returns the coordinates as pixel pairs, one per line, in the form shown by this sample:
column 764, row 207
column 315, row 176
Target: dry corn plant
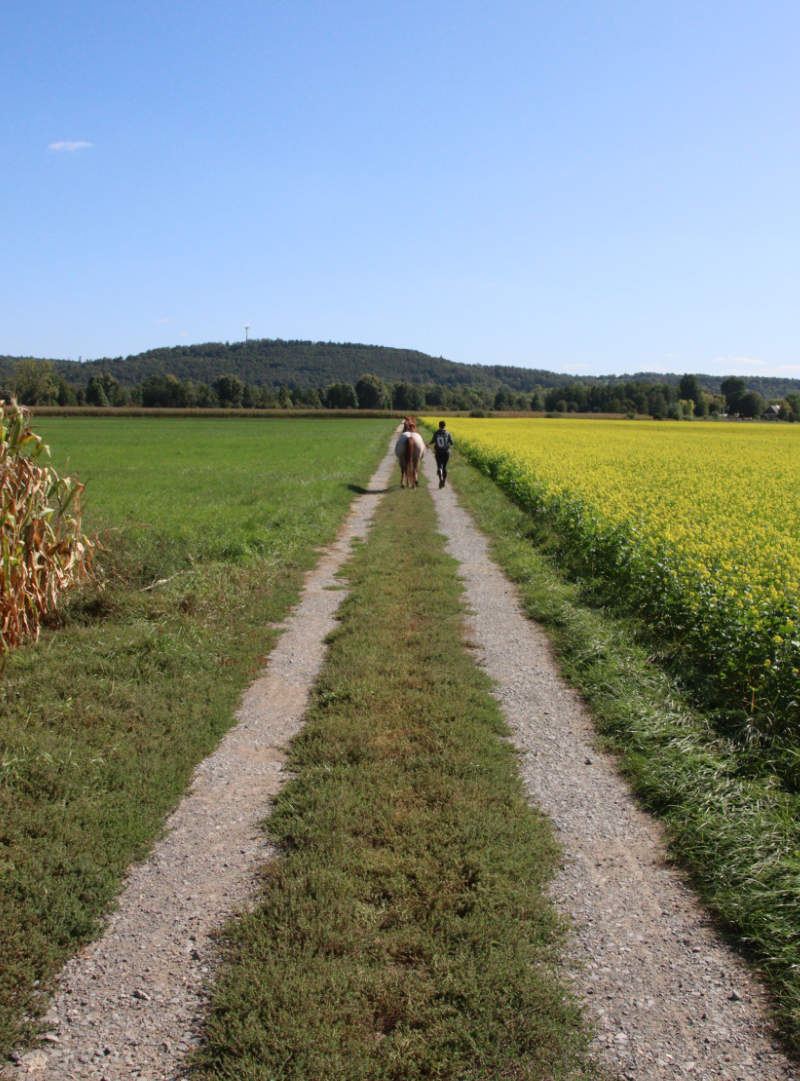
column 42, row 550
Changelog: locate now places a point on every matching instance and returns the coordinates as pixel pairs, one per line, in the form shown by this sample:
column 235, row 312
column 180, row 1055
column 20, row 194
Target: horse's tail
column 405, row 455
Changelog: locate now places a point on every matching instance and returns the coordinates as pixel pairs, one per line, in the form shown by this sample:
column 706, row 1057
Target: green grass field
column 104, row 719
column 177, row 491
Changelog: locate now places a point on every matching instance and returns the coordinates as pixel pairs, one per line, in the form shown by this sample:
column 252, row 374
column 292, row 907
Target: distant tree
column 189, row 393
column 35, row 382
column 579, row 396
column 111, row 388
column 205, row 396
column 230, row 391
column 175, row 393
column 95, row 395
column 465, row 398
column 166, row 392
column 689, row 388
column 65, row 393
column 702, row 405
column 408, row 397
column 372, row 392
column 751, row 404
column 306, row 398
column 733, row 387
column 340, row 396
column 284, row 398
column 552, row 397
column 657, row 403
column 503, row 399
column 792, row 407
column 537, row 402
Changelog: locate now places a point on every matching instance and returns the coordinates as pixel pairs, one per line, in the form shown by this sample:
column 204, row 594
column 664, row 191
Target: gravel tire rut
column 667, row 999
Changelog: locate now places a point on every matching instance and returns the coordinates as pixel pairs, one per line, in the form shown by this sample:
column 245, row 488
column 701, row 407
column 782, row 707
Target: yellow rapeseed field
column 700, row 521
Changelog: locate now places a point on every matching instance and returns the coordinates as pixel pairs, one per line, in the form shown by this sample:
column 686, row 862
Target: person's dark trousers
column 442, row 458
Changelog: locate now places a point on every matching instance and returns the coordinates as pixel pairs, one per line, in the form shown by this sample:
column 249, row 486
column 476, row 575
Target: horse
column 409, row 449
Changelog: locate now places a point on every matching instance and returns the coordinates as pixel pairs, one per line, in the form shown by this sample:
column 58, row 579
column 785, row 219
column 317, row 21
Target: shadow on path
column 366, row 491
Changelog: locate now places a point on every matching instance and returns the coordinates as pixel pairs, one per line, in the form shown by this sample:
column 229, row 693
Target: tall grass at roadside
column 728, row 819
column 208, row 526
column 402, row 933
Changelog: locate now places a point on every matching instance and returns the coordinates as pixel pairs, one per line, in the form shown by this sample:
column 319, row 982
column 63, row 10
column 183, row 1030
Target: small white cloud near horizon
column 79, row 144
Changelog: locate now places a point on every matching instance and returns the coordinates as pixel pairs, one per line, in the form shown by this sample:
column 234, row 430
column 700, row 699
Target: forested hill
column 276, row 363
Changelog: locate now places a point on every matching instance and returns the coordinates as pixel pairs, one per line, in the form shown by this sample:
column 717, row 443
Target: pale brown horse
column 409, row 448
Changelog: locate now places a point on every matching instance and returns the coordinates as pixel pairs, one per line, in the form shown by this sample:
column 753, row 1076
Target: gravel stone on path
column 130, row 1005
column 667, row 998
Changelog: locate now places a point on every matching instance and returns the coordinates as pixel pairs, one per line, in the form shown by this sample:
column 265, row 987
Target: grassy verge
column 729, row 819
column 403, row 933
column 104, row 720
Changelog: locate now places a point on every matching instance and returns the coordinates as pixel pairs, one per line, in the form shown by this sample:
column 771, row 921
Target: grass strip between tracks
column 729, row 820
column 403, row 932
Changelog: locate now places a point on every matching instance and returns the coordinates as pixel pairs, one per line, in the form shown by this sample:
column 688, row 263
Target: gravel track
column 667, row 998
column 129, row 1005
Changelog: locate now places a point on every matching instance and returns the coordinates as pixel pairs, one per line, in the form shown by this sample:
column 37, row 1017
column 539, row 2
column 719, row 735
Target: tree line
column 37, row 382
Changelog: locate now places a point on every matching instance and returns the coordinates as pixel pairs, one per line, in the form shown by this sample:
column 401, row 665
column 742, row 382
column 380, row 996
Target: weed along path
column 128, row 1006
column 667, row 998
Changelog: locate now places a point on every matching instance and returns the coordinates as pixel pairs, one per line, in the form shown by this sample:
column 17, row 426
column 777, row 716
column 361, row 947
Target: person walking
column 442, row 442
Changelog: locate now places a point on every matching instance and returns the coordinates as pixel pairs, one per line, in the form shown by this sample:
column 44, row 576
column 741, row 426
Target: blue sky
column 585, row 187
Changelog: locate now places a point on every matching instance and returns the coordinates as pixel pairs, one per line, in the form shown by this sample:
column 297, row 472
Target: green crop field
column 176, row 491
column 104, row 719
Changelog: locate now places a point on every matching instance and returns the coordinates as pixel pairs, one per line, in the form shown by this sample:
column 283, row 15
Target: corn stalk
column 42, row 550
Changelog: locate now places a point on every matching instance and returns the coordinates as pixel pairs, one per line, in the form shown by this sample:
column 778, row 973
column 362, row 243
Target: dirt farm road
column 667, row 999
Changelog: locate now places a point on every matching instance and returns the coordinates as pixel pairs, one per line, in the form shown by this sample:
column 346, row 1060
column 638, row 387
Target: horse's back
column 408, row 440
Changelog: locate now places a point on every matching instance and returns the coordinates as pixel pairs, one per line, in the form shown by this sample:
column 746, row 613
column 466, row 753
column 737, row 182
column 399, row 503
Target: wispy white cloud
column 68, row 145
